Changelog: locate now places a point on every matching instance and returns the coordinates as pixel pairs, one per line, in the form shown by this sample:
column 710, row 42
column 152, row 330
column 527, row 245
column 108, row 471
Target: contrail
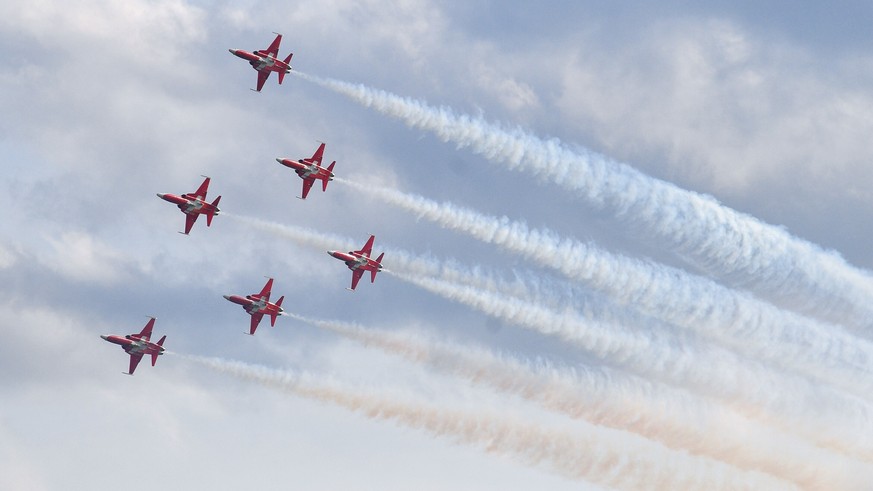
column 734, row 246
column 587, row 452
column 829, row 418
column 608, row 398
column 734, row 319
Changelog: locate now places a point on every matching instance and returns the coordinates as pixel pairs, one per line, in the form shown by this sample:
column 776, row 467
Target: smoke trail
column 302, row 236
column 600, row 455
column 829, row 418
column 826, row 417
column 735, row 319
column 608, row 398
column 735, row 246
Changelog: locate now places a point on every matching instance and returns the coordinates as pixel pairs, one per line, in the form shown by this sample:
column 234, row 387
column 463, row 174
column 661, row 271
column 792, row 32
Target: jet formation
column 194, row 204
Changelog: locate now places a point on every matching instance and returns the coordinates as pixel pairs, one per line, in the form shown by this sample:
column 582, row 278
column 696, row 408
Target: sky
column 627, row 245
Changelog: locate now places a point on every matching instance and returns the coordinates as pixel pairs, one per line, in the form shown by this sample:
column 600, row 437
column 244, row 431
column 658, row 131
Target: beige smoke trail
column 840, row 421
column 585, row 452
column 609, row 398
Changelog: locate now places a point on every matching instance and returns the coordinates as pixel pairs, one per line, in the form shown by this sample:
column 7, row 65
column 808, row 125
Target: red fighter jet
column 137, row 345
column 360, row 261
column 265, row 61
column 310, row 169
column 193, row 205
column 258, row 305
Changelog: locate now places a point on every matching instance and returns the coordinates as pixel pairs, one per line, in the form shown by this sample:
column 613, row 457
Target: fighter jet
column 360, row 261
column 258, row 304
column 265, row 61
column 310, row 169
column 193, row 205
column 137, row 345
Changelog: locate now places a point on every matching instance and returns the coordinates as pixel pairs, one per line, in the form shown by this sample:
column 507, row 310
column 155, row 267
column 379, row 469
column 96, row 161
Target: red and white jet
column 265, row 61
column 310, row 169
column 194, row 204
column 360, row 261
column 258, row 305
column 137, row 345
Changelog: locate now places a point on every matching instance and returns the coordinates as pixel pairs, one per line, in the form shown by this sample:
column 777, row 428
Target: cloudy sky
column 767, row 108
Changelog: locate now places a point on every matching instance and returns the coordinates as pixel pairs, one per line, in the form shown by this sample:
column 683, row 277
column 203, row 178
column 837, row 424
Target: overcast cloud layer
column 767, row 109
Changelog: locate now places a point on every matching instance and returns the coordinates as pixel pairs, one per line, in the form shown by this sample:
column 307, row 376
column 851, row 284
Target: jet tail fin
column 155, row 355
column 326, row 179
column 373, row 272
column 273, row 316
column 282, row 73
column 212, row 211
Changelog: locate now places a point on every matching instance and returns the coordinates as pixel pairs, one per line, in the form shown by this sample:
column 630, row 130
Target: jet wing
column 318, row 155
column 146, row 332
column 134, row 361
column 356, row 277
column 265, row 291
column 256, row 319
column 368, row 247
column 201, row 191
column 273, row 50
column 307, row 185
column 262, row 79
column 189, row 222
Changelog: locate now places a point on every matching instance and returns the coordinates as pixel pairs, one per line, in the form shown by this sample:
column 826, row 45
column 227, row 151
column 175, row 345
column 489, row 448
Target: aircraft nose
column 233, row 51
column 104, row 337
column 227, row 297
column 160, row 196
column 279, row 159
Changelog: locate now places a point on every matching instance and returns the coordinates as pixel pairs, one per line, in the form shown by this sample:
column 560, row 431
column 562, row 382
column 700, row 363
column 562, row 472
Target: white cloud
column 7, row 257
column 723, row 108
column 81, row 257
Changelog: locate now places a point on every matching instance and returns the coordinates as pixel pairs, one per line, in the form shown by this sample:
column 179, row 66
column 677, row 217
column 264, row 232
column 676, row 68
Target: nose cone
column 104, row 337
column 279, row 159
column 160, row 196
column 227, row 297
column 232, row 51
column 331, row 253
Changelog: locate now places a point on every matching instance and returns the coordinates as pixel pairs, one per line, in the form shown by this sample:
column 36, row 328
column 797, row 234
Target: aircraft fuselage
column 261, row 61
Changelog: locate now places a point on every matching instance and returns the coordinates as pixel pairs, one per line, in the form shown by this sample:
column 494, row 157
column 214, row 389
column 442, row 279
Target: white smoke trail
column 608, row 398
column 612, row 458
column 792, row 272
column 302, row 236
column 735, row 319
column 828, row 418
